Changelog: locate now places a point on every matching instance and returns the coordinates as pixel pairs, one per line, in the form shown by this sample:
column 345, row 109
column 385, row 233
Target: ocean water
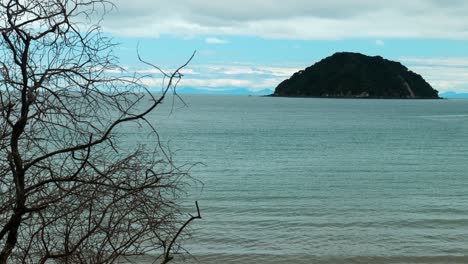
column 301, row 180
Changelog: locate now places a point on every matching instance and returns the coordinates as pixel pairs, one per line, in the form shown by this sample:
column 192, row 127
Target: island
column 355, row 75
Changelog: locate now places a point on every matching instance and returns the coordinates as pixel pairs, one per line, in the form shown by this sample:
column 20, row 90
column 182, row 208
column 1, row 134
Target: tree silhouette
column 70, row 192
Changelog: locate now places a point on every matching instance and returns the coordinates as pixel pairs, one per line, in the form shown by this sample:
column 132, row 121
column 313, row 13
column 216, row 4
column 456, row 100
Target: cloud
column 438, row 61
column 379, row 42
column 218, row 83
column 224, row 77
column 216, row 41
column 443, row 73
column 294, row 19
column 184, row 71
column 207, row 83
column 254, row 70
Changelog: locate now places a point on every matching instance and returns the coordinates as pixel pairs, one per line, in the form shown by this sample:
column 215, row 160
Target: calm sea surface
column 299, row 180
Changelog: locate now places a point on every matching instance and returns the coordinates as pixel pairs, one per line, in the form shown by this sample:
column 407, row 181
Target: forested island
column 355, row 75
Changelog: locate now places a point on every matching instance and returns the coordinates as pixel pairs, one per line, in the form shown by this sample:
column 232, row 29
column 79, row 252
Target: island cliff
column 354, row 75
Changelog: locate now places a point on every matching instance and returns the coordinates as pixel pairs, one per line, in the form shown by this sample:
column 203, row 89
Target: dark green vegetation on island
column 354, row 75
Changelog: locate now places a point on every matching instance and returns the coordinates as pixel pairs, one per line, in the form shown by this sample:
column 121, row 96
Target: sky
column 250, row 46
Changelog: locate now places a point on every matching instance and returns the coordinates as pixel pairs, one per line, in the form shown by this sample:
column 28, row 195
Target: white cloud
column 184, row 71
column 281, row 71
column 379, row 42
column 217, row 83
column 438, row 61
column 222, row 77
column 443, row 73
column 216, row 41
column 254, row 70
column 294, row 19
column 115, row 71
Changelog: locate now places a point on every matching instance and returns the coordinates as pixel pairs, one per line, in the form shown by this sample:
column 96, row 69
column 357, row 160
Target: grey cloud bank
column 294, row 19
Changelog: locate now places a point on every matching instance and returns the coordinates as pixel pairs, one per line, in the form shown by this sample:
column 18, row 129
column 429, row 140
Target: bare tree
column 71, row 191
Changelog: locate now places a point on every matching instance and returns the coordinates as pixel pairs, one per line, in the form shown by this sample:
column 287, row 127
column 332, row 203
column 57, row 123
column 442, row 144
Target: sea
column 309, row 180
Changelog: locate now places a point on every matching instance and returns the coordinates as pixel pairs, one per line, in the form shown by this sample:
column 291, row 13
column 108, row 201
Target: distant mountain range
column 355, row 75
